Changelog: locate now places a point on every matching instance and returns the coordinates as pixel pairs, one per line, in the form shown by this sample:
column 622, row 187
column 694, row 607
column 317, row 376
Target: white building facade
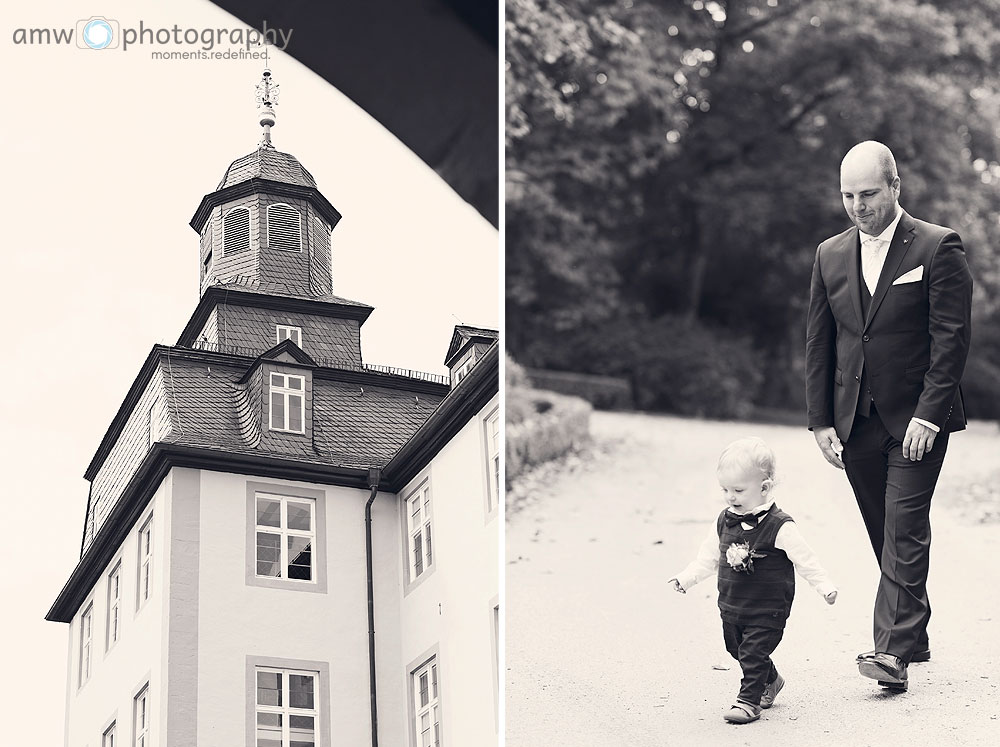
column 228, row 581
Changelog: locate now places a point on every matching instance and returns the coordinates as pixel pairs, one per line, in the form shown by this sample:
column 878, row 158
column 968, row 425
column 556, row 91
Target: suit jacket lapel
column 851, row 265
column 900, row 244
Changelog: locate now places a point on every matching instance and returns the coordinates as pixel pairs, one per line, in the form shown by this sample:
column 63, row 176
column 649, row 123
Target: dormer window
column 236, row 230
column 284, row 228
column 286, row 332
column 287, row 403
column 464, row 366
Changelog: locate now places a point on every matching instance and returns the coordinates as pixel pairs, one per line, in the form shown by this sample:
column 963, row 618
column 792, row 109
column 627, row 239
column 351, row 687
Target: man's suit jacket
column 913, row 343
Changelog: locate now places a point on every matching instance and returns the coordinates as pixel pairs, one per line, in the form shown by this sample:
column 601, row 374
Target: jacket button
column 857, row 378
column 866, row 338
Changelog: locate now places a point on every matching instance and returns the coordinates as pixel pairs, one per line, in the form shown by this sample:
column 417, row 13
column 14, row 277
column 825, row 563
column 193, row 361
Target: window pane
column 424, row 693
column 269, row 719
column 268, row 512
column 269, row 688
column 294, row 412
column 294, row 382
column 268, row 554
column 300, row 690
column 300, row 558
column 427, row 537
column 302, row 731
column 418, row 555
column 277, row 380
column 277, row 410
column 282, row 333
column 299, row 516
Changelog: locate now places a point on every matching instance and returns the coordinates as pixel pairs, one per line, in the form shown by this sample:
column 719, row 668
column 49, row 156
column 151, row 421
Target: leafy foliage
column 681, row 158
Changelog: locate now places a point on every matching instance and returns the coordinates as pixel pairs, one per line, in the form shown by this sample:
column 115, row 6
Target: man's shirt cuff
column 933, row 427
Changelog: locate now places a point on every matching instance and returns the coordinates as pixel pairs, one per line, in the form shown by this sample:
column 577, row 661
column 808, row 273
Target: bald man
column 887, row 337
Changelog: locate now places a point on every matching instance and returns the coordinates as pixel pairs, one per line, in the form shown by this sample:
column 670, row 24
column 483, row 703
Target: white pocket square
column 917, row 273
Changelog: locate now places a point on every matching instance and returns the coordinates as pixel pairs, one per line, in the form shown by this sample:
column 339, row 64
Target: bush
column 603, row 392
column 542, row 426
column 514, row 375
column 674, row 365
column 979, row 389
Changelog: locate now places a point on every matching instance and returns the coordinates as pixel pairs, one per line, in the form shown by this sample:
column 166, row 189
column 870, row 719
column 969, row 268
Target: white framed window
column 284, row 227
column 286, row 536
column 465, row 365
column 287, row 713
column 86, row 643
column 426, row 707
column 114, row 617
column 110, row 736
column 418, row 531
column 288, row 403
column 286, row 332
column 493, row 460
column 236, row 230
column 145, row 562
column 141, row 717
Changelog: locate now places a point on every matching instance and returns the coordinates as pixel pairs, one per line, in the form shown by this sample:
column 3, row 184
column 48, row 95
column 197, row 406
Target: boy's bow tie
column 734, row 519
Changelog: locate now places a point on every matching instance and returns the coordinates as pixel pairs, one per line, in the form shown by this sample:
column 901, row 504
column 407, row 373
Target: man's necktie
column 870, row 269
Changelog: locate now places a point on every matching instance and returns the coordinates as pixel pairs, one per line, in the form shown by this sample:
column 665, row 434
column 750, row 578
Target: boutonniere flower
column 740, row 556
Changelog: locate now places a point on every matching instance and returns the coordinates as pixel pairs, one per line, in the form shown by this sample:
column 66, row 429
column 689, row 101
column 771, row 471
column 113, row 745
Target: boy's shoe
column 742, row 713
column 771, row 692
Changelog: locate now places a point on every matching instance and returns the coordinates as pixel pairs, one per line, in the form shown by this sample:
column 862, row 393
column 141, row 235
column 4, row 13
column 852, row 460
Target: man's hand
column 918, row 441
column 830, row 445
column 677, row 586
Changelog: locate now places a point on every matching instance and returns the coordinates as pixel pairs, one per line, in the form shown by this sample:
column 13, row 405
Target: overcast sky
column 107, row 155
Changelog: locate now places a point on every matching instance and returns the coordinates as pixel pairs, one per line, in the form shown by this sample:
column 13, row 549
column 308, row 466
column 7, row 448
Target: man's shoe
column 888, row 670
column 771, row 692
column 866, row 655
column 921, row 656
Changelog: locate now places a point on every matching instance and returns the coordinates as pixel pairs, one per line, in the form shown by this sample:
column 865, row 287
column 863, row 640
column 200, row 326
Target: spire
column 267, row 97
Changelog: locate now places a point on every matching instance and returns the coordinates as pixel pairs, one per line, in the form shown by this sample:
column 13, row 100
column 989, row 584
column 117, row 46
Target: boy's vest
column 763, row 597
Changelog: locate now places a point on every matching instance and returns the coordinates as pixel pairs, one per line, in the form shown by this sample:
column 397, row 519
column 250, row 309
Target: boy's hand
column 831, row 597
column 678, row 587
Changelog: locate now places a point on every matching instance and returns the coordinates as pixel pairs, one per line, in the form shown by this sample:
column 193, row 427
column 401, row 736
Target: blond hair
column 748, row 454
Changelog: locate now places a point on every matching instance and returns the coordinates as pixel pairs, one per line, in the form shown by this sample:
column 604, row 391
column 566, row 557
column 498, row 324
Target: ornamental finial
column 267, row 98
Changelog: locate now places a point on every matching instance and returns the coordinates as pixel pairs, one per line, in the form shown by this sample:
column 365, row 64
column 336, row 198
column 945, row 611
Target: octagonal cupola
column 267, row 226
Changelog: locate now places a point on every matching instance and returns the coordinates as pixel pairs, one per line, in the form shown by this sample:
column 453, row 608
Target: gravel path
column 600, row 652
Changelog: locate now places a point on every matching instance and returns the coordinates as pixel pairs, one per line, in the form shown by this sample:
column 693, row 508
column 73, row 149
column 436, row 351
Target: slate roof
column 463, row 334
column 267, row 163
column 266, row 289
column 354, row 425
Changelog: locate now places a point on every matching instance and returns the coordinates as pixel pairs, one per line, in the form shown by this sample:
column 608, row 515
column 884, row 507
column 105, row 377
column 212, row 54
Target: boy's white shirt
column 788, row 539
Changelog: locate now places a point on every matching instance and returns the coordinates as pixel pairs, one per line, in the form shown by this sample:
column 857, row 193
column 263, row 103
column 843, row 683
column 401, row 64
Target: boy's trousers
column 752, row 646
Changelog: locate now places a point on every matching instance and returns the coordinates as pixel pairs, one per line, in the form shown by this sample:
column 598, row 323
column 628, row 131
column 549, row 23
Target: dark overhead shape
column 428, row 71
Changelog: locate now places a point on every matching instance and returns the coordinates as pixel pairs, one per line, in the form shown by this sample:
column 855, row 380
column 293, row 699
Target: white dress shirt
column 873, row 260
column 788, row 539
column 873, row 257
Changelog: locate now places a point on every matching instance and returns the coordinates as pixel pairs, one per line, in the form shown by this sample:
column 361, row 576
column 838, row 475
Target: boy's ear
column 766, row 485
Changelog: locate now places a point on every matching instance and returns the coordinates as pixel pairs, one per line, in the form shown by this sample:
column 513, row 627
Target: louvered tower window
column 236, row 230
column 284, row 229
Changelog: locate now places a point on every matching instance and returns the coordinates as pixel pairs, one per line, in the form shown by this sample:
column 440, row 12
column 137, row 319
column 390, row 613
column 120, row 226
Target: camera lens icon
column 97, row 32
